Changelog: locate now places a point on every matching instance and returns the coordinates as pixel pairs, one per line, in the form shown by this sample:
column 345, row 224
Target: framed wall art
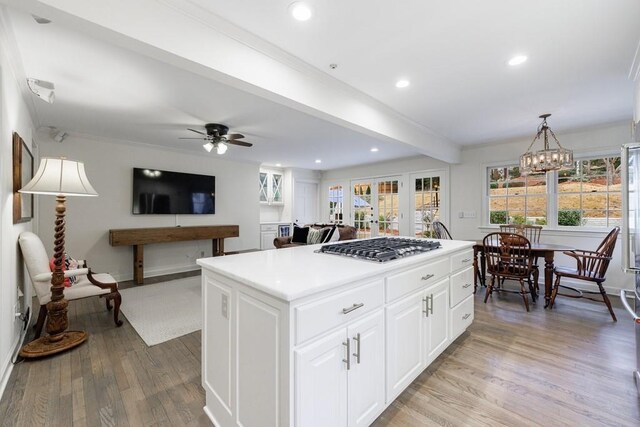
column 22, row 174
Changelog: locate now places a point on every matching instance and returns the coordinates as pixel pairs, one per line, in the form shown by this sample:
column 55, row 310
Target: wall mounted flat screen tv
column 166, row 192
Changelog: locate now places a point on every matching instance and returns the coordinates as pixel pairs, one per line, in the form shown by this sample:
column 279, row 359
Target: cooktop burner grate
column 381, row 249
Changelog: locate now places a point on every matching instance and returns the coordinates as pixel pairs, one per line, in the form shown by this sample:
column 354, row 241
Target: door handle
column 466, row 260
column 425, row 300
column 348, row 359
column 427, row 276
column 625, row 303
column 431, row 306
column 357, row 353
column 466, row 285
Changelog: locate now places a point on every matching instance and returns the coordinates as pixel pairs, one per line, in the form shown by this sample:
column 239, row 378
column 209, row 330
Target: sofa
column 347, row 232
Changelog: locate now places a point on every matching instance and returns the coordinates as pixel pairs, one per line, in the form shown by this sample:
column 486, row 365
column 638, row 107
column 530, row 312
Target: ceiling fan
column 218, row 137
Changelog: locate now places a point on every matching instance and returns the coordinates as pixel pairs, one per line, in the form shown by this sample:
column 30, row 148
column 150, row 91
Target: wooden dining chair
column 531, row 232
column 509, row 256
column 591, row 266
column 440, row 231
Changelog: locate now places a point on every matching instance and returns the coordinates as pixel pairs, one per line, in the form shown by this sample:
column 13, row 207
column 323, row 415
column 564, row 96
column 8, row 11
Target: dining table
column 541, row 250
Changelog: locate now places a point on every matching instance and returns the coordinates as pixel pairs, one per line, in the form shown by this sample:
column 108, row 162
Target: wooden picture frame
column 22, row 174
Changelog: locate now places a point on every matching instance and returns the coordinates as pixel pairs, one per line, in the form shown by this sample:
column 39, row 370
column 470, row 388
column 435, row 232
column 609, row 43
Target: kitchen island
column 292, row 337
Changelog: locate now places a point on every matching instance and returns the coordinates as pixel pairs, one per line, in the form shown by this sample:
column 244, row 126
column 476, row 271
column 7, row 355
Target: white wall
column 109, row 167
column 14, row 117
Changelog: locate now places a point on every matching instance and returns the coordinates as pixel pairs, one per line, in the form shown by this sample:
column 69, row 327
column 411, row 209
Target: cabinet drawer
column 269, row 227
column 412, row 280
column 462, row 260
column 461, row 286
column 316, row 317
column 461, row 317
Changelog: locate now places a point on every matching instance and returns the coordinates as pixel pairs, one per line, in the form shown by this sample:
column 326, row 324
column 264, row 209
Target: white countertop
column 292, row 273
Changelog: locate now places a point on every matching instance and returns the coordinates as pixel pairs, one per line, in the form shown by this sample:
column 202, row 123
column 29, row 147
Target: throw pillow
column 315, row 236
column 300, row 234
column 331, row 235
column 68, row 264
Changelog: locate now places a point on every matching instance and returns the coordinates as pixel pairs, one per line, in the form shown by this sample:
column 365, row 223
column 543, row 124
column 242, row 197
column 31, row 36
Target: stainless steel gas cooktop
column 381, row 249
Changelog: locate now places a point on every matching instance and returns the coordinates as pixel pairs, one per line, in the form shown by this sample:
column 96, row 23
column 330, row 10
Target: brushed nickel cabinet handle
column 425, row 300
column 352, row 308
column 431, row 306
column 466, row 285
column 348, row 359
column 427, row 276
column 466, row 316
column 357, row 353
column 466, row 260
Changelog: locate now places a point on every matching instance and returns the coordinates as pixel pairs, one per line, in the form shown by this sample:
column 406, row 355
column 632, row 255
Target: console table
column 138, row 237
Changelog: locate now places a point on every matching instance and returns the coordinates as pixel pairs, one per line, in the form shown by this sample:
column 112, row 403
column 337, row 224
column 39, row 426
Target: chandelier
column 549, row 159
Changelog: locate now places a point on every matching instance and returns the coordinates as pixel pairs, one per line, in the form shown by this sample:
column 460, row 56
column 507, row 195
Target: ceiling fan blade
column 197, row 131
column 240, row 143
column 202, row 139
column 234, row 136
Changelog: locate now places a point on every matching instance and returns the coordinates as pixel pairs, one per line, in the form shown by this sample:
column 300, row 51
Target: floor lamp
column 62, row 178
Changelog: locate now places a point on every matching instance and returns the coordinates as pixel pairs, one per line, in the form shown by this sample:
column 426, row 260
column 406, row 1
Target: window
column 427, row 199
column 587, row 195
column 590, row 193
column 336, row 204
column 516, row 199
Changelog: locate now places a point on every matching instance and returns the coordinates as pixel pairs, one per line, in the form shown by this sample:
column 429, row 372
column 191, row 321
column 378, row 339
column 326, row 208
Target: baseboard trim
column 7, row 365
column 162, row 271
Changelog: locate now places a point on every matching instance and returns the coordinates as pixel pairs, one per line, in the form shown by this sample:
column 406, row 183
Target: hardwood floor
column 570, row 366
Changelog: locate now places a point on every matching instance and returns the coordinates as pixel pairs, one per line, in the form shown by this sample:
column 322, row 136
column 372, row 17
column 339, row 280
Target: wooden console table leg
column 218, row 247
column 138, row 264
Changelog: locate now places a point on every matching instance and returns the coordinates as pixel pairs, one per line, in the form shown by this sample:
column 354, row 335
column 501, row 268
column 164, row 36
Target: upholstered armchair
column 87, row 284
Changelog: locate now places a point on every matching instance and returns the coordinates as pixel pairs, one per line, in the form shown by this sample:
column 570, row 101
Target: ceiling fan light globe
column 221, row 148
column 208, row 146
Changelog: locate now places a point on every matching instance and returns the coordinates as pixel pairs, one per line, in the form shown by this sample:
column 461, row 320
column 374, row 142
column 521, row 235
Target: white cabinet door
column 266, row 239
column 366, row 376
column 404, row 343
column 321, row 382
column 436, row 337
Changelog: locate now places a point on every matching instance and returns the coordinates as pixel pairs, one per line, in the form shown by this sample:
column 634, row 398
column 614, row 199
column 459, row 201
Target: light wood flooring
column 570, row 366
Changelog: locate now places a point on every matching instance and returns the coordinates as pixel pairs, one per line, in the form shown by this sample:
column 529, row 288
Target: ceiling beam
column 184, row 35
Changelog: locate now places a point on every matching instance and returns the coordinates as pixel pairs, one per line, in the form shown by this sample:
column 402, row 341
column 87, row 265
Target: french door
column 427, row 201
column 375, row 206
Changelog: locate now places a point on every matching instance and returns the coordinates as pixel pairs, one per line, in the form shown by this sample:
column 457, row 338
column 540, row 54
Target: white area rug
column 164, row 311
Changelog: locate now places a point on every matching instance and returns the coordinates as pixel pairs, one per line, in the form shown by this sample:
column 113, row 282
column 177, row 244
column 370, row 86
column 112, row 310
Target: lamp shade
column 59, row 176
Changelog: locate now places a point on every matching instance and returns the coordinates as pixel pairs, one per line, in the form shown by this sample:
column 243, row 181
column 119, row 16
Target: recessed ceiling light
column 318, row 161
column 300, row 11
column 402, row 83
column 374, row 150
column 517, row 60
column 278, row 164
